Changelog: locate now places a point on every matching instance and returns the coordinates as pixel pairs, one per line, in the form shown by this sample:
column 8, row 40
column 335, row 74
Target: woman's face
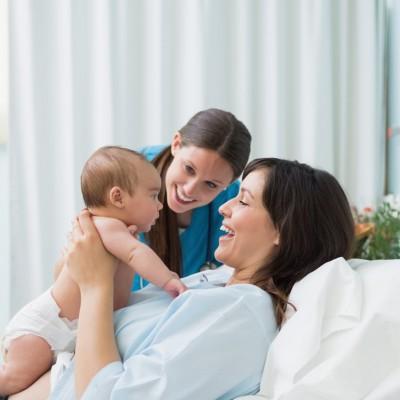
column 195, row 177
column 250, row 237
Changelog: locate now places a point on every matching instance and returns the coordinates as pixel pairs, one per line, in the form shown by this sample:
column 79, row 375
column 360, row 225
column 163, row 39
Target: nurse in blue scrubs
column 199, row 171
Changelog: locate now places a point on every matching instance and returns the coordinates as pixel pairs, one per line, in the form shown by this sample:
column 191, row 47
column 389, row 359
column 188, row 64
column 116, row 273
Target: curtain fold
column 393, row 85
column 305, row 77
column 4, row 168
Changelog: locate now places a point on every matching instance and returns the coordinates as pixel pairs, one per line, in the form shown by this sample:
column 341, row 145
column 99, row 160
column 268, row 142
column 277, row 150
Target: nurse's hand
column 88, row 262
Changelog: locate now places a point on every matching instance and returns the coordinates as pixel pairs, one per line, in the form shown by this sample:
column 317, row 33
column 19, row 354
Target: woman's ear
column 116, row 197
column 277, row 239
column 176, row 143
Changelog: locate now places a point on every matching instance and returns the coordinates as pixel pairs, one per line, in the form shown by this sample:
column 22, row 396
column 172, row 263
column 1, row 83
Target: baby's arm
column 119, row 241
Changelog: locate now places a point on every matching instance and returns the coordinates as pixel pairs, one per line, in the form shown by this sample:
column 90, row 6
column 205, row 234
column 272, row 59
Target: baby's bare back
column 67, row 295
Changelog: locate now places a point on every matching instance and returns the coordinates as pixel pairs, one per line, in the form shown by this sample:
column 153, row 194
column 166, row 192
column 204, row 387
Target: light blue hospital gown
column 209, row 343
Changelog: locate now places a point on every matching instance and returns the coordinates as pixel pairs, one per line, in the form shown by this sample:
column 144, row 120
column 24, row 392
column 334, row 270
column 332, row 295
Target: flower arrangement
column 378, row 231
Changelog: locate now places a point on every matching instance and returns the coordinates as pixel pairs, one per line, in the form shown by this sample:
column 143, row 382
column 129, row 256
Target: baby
column 120, row 188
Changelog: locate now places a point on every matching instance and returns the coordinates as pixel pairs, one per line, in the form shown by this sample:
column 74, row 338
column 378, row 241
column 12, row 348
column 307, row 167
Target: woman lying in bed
column 211, row 341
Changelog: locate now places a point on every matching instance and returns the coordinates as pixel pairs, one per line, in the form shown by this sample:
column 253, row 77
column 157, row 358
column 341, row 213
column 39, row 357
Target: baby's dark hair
column 107, row 167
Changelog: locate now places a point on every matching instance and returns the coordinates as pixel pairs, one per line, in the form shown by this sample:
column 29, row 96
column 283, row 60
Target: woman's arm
column 93, row 270
column 58, row 267
column 95, row 345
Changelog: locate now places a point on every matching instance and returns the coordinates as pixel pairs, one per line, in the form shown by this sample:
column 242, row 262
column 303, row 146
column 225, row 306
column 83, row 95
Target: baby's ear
column 115, row 197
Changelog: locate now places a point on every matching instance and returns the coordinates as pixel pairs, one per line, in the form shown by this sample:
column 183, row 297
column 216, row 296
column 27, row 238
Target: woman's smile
column 229, row 233
column 180, row 197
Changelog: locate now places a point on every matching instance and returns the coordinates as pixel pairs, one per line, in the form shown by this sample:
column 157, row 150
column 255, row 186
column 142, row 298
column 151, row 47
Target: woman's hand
column 89, row 264
column 93, row 269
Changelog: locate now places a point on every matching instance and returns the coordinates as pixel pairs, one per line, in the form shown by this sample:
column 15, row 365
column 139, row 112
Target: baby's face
column 142, row 209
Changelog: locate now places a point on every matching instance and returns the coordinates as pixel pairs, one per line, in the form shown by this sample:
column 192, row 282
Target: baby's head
column 120, row 183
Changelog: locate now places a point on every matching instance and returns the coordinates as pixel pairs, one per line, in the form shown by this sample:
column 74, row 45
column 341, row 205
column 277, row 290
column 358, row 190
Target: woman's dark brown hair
column 211, row 129
column 311, row 212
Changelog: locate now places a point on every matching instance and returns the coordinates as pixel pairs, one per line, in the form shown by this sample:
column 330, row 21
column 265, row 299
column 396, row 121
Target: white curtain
column 305, row 76
column 393, row 84
column 4, row 170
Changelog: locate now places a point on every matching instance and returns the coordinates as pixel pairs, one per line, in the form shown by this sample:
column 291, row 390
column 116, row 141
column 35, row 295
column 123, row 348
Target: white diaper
column 41, row 317
column 60, row 365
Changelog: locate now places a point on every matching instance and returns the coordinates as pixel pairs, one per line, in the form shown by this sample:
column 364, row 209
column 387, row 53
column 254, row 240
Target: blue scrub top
column 200, row 239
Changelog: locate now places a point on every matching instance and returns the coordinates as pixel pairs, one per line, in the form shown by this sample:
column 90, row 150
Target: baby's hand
column 174, row 286
column 133, row 230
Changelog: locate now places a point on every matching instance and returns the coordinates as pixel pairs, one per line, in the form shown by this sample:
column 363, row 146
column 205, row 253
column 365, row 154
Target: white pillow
column 344, row 340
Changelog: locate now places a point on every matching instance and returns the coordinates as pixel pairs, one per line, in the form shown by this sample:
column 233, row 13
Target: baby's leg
column 28, row 357
column 39, row 390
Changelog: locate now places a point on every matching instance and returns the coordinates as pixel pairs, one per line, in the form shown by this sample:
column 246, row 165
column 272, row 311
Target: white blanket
column 344, row 340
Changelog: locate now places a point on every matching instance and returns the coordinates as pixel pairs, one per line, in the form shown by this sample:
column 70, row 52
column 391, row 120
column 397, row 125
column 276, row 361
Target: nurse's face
column 251, row 237
column 195, row 177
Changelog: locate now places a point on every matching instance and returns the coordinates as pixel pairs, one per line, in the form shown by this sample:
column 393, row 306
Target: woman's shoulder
column 245, row 305
column 244, row 296
column 257, row 307
column 249, row 294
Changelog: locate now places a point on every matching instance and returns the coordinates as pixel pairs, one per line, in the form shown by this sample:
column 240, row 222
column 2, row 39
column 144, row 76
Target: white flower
column 393, row 200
